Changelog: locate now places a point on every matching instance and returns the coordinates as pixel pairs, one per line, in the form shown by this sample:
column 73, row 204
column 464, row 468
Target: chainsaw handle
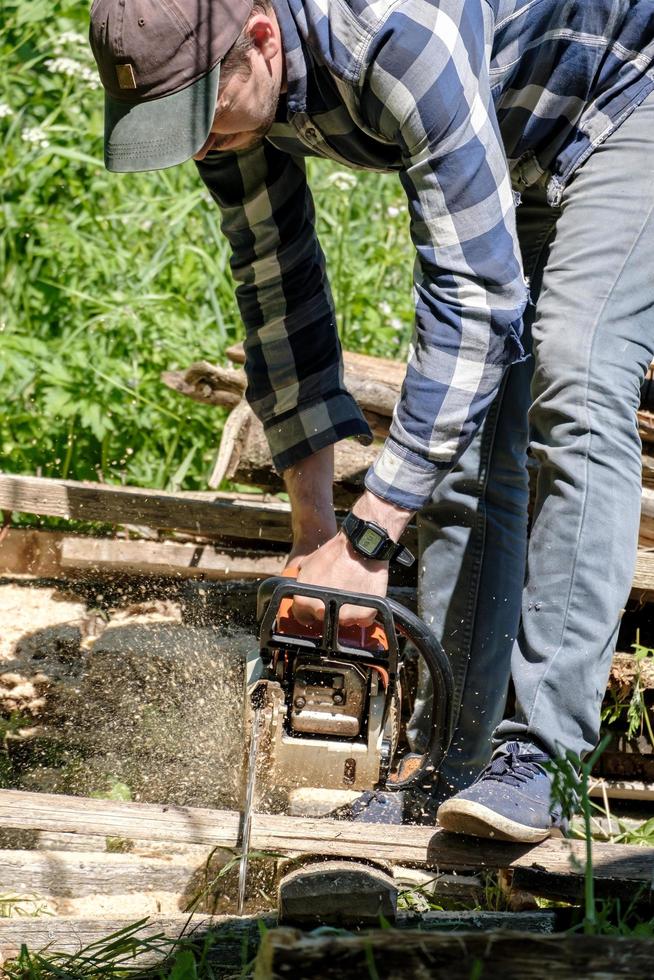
column 273, row 591
column 440, row 672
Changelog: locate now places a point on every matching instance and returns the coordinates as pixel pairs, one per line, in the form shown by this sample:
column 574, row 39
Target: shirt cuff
column 404, row 478
column 310, row 427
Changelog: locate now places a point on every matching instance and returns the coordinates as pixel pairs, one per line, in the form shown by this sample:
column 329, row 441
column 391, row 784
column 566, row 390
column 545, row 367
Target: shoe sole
column 468, row 817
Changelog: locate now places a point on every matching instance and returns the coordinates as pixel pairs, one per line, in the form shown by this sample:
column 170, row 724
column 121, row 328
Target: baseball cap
column 159, row 63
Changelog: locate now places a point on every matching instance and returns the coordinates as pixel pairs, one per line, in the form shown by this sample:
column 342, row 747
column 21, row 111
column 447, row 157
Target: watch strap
column 388, row 550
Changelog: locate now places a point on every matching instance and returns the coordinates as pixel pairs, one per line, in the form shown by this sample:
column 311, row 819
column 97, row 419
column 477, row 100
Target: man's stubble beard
column 258, row 135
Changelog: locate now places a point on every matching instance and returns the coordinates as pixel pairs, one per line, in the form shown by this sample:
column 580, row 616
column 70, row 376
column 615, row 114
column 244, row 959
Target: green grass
column 106, row 280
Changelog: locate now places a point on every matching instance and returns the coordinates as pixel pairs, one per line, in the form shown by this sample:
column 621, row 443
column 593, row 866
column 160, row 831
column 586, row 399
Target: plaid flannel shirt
column 461, row 98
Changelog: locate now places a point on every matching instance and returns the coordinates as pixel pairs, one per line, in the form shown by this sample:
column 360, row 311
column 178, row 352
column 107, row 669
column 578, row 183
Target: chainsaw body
column 329, row 698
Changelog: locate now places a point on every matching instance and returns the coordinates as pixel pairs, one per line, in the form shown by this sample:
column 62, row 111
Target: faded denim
column 550, row 615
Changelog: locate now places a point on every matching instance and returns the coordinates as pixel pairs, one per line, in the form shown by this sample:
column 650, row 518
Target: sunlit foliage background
column 107, row 280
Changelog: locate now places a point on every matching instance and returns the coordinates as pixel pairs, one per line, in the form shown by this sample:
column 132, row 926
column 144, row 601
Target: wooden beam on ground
column 55, row 554
column 235, row 939
column 283, row 835
column 618, row 789
column 393, row 955
column 75, row 874
column 222, row 515
column 166, row 558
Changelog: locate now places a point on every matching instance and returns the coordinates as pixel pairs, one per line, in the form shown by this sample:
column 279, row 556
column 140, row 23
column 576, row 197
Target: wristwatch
column 372, row 541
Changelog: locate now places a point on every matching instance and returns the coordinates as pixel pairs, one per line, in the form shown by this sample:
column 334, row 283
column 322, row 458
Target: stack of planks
column 188, row 837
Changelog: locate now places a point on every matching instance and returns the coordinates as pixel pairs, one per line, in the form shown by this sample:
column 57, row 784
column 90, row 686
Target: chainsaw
column 324, row 702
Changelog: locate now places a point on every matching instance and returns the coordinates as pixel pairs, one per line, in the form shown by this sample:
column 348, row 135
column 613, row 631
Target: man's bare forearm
column 310, row 487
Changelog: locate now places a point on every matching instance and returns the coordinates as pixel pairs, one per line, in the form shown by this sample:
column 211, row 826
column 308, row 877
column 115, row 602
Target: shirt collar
column 295, row 57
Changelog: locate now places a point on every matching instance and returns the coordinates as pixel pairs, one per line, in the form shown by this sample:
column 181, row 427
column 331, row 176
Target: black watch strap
column 373, row 541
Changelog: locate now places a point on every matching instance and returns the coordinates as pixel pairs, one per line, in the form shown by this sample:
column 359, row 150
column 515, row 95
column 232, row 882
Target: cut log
column 208, row 384
column 292, row 835
column 250, row 462
column 391, row 955
column 337, row 893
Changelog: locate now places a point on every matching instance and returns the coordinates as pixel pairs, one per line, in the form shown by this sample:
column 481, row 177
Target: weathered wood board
column 281, row 835
column 223, row 515
column 394, row 955
column 235, row 939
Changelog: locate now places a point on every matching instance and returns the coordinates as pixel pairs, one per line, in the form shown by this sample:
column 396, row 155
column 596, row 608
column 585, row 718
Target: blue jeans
column 548, row 612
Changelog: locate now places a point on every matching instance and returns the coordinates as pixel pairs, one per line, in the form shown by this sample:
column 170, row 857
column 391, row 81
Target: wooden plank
column 644, row 573
column 235, row 939
column 55, row 554
column 75, row 874
column 27, row 552
column 293, row 835
column 200, row 513
column 618, row 789
column 166, row 558
column 51, row 554
column 395, row 955
column 225, row 516
column 566, row 888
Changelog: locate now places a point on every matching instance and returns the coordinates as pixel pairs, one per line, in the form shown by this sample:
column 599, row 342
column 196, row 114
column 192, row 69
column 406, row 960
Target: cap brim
column 161, row 133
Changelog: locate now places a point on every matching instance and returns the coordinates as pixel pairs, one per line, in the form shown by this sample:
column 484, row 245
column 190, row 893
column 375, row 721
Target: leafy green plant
column 107, row 280
column 638, row 715
column 629, row 712
column 570, row 791
column 131, row 954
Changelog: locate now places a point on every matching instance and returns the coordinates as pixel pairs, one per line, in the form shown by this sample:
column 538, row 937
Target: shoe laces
column 515, row 767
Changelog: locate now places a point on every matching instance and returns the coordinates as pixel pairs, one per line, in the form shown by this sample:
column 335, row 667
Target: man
column 460, row 99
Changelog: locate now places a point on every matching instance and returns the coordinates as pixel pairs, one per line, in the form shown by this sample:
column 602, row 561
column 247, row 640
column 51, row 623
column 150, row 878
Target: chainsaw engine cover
column 328, row 698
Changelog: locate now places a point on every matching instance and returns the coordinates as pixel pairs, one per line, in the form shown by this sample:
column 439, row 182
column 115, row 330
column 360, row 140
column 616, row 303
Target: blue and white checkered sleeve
column 427, row 89
column 293, row 354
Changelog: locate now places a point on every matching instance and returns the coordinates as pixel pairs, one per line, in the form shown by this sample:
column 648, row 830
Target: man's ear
column 264, row 36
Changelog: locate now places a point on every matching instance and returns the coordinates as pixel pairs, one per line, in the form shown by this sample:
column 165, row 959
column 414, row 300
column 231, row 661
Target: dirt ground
column 126, row 702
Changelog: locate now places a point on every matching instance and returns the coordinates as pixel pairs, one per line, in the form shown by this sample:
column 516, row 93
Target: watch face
column 370, row 541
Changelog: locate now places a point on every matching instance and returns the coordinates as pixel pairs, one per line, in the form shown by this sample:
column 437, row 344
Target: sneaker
column 510, row 800
column 373, row 806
